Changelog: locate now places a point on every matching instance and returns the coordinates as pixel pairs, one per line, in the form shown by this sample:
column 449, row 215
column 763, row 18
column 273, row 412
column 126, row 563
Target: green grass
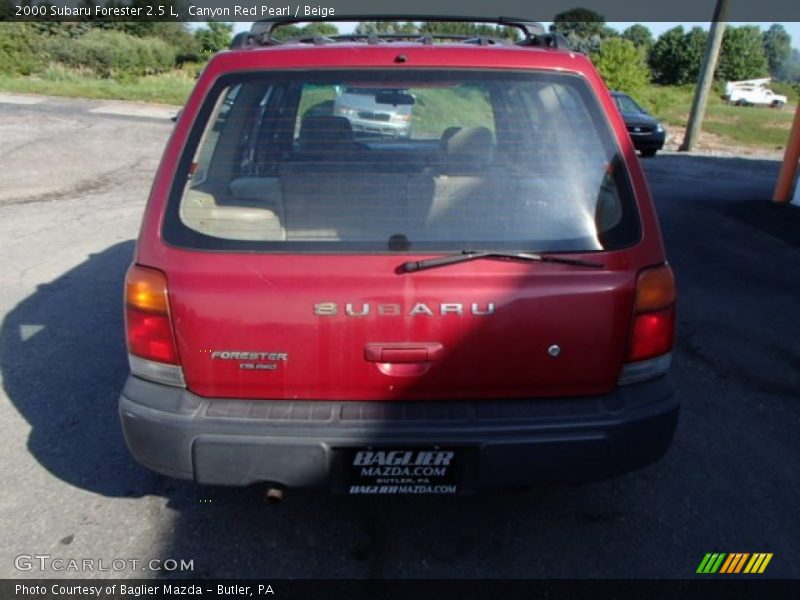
column 758, row 127
column 750, row 126
column 167, row 88
column 315, row 96
column 436, row 109
column 669, row 103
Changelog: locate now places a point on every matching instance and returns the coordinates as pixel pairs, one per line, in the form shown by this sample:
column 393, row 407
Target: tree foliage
column 437, row 27
column 622, row 65
column 696, row 40
column 640, row 36
column 778, row 48
column 791, row 68
column 469, row 29
column 175, row 34
column 7, row 9
column 215, row 36
column 667, row 58
column 584, row 29
column 286, row 32
column 742, row 55
column 581, row 22
column 19, row 49
column 367, row 27
column 317, row 28
column 114, row 54
column 584, row 45
column 676, row 56
column 107, row 47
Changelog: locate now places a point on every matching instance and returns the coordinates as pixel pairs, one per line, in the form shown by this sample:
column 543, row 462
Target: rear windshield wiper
column 465, row 255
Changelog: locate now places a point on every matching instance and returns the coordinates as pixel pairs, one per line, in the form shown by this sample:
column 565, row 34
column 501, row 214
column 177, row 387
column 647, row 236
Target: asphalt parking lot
column 73, row 184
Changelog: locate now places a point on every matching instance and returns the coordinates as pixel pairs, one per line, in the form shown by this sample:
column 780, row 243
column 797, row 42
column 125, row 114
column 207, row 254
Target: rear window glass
column 401, row 160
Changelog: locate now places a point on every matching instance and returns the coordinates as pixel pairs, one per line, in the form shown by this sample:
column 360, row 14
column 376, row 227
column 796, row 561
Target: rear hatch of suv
column 298, row 242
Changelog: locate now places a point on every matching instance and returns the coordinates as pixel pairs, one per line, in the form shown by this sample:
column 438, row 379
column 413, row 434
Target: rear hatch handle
column 412, row 352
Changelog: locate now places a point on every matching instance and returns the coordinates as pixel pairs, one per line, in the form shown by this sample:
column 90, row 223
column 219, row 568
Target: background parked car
column 646, row 132
column 371, row 110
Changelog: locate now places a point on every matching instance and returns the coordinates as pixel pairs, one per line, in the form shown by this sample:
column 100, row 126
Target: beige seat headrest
column 468, row 148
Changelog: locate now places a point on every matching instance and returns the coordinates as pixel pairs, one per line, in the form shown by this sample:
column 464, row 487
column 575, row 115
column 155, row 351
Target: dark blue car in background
column 647, row 133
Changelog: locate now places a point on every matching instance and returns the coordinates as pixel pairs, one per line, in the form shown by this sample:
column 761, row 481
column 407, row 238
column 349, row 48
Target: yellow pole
column 783, row 188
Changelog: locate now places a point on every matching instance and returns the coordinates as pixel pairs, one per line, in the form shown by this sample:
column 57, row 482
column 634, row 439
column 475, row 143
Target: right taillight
column 653, row 327
column 152, row 350
column 652, row 334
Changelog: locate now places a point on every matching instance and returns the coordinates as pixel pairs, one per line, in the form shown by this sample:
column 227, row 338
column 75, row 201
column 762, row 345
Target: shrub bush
column 114, row 54
column 20, row 50
column 622, row 65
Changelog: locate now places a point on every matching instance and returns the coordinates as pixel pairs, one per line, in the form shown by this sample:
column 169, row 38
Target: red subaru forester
column 399, row 265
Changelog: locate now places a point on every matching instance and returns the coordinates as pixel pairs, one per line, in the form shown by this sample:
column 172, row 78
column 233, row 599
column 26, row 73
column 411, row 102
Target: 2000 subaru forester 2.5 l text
column 484, row 301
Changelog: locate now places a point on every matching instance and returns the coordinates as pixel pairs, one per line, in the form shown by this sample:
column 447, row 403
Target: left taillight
column 152, row 352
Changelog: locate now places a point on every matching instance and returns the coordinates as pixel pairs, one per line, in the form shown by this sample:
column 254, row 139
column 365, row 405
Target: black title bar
column 253, row 10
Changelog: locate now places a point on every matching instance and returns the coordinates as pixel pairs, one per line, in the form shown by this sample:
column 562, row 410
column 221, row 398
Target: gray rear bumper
column 298, row 443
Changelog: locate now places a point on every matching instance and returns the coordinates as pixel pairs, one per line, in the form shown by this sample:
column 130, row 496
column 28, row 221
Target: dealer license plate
column 396, row 471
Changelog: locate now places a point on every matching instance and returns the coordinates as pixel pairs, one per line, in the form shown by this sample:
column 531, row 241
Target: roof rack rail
column 261, row 32
column 385, row 38
column 549, row 40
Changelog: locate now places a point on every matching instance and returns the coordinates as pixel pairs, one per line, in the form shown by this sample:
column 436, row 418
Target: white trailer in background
column 753, row 92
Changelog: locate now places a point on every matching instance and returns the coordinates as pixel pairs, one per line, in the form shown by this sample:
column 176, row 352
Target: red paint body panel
column 253, row 302
column 265, row 303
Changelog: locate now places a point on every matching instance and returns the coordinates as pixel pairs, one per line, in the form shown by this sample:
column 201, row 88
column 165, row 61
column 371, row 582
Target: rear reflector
column 156, row 371
column 644, row 369
column 147, row 323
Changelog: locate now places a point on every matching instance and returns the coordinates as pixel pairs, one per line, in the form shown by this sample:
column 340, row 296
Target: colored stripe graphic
column 732, row 558
column 728, row 564
column 758, row 563
column 703, row 563
column 741, row 562
column 734, row 562
column 711, row 562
